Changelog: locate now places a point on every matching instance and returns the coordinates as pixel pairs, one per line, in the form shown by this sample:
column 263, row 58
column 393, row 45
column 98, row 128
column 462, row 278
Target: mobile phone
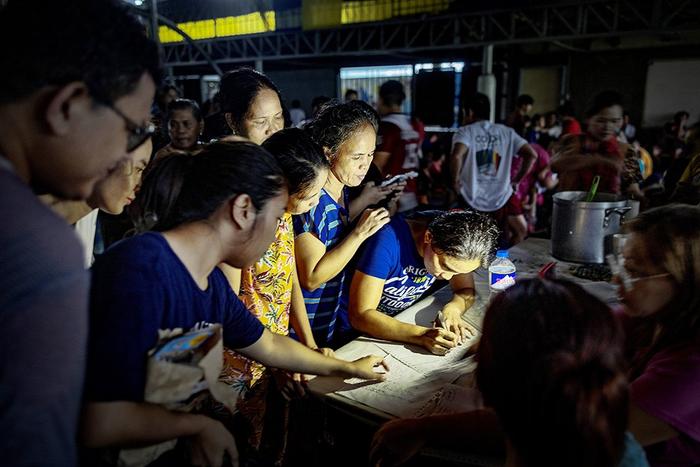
column 399, row 178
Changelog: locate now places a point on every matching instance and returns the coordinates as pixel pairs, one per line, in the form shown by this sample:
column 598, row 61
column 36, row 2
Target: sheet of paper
column 451, row 399
column 422, row 361
column 403, row 392
column 422, row 383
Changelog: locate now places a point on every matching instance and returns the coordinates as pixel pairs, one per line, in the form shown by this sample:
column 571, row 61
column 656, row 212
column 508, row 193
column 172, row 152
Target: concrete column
column 486, row 83
column 259, row 66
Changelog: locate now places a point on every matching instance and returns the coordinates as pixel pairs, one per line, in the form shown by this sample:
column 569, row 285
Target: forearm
column 524, row 169
column 530, row 157
column 132, row 424
column 648, row 429
column 461, row 301
column 298, row 317
column 456, row 161
column 332, row 262
column 379, row 325
column 276, row 351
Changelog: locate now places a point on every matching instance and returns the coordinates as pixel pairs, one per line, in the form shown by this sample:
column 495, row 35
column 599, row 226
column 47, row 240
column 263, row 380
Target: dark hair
column 183, row 188
column 604, row 100
column 465, row 235
column 166, row 88
column 337, row 121
column 319, row 101
column 550, row 363
column 185, row 104
column 350, row 92
column 163, row 91
column 479, row 104
column 238, row 90
column 299, row 157
column 671, row 236
column 678, row 116
column 524, row 99
column 392, row 93
column 97, row 43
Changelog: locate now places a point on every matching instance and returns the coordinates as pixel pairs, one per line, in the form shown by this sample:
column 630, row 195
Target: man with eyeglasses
column 75, row 98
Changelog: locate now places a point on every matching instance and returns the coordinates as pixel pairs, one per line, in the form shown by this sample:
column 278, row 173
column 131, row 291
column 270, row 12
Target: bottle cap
column 502, row 254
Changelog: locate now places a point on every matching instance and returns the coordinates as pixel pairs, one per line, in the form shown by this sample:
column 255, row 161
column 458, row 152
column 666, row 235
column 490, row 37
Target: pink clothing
column 669, row 389
column 528, row 182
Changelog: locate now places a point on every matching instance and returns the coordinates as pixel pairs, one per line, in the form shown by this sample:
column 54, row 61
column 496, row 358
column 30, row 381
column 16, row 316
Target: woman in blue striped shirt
column 326, row 241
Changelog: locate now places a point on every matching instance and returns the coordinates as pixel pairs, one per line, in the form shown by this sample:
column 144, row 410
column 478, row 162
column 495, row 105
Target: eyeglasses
column 138, row 134
column 617, row 266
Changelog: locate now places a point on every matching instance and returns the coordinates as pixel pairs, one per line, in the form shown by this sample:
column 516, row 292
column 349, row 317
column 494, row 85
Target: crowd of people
column 290, row 236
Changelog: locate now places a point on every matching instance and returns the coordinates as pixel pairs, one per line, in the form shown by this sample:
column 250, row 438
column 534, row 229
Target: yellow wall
column 251, row 23
column 360, row 11
column 315, row 14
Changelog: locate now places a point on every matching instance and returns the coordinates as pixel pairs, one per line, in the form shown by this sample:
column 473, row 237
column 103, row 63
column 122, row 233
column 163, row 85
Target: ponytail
column 184, row 188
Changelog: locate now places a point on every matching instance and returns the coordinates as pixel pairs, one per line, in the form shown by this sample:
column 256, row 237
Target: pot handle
column 619, row 211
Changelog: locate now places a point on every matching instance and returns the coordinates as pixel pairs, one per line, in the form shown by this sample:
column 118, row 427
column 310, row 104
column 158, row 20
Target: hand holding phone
column 399, row 178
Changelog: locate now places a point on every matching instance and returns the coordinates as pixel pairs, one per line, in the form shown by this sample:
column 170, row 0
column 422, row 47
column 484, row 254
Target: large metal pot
column 582, row 232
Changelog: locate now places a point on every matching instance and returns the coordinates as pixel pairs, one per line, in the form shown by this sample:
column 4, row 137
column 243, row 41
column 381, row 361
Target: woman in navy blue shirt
column 222, row 205
column 402, row 261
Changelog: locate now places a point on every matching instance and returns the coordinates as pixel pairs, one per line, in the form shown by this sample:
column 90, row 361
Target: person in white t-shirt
column 482, row 154
column 399, row 141
column 296, row 113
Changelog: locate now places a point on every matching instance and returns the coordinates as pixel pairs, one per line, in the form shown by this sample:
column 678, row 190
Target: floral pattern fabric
column 266, row 290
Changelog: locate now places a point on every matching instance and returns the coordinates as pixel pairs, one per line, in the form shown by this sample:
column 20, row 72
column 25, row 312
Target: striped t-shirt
column 327, row 305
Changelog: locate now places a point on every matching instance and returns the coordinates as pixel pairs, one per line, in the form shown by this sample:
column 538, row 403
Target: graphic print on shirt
column 488, row 160
column 410, row 136
column 402, row 291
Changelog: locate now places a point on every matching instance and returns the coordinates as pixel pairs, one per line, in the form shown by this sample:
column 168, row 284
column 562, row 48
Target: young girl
column 252, row 104
column 270, row 289
column 659, row 282
column 224, row 205
column 326, row 241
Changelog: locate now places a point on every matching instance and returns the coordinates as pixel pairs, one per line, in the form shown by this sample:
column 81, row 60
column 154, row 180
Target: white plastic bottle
column 501, row 272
